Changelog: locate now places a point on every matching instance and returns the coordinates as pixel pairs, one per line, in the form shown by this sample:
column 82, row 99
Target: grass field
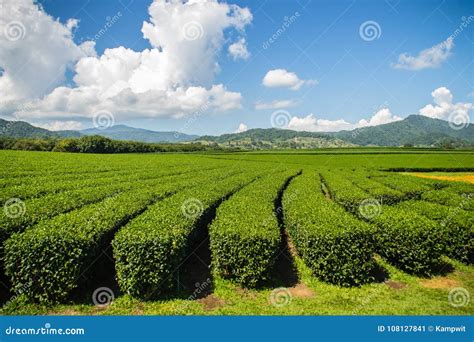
column 333, row 231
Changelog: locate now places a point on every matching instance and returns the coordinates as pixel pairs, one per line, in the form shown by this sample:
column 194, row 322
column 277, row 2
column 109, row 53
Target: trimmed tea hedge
column 46, row 261
column 450, row 198
column 381, row 192
column 38, row 189
column 152, row 246
column 245, row 235
column 409, row 240
column 411, row 187
column 461, row 188
column 343, row 191
column 50, row 205
column 336, row 246
column 457, row 223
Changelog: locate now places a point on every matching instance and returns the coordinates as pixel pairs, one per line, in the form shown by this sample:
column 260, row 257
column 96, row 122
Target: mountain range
column 414, row 130
column 22, row 129
column 122, row 132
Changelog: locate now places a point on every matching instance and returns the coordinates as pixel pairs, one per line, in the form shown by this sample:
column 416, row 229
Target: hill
column 22, row 129
column 269, row 138
column 416, row 130
column 122, row 132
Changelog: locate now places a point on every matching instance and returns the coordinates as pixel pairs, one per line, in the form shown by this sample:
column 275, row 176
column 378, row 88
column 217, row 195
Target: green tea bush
column 411, row 187
column 46, row 261
column 457, row 224
column 381, row 192
column 409, row 240
column 245, row 235
column 343, row 191
column 52, row 204
column 336, row 246
column 449, row 198
column 153, row 246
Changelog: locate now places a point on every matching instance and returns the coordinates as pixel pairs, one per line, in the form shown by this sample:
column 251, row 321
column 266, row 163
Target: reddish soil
column 397, row 285
column 211, row 302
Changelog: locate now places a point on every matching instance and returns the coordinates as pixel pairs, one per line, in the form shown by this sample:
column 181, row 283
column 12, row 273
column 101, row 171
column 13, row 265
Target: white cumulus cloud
column 60, row 125
column 174, row 78
column 35, row 51
column 238, row 50
column 276, row 104
column 444, row 108
column 242, row 128
column 285, row 79
column 311, row 124
column 432, row 57
column 383, row 116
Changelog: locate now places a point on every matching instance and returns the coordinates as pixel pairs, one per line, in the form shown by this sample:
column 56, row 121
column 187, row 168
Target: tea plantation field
column 333, row 231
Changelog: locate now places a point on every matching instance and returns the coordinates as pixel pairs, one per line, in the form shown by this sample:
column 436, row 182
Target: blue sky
column 353, row 78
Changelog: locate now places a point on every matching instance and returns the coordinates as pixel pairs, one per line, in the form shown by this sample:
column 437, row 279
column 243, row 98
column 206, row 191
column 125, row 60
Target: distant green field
column 277, row 233
column 373, row 158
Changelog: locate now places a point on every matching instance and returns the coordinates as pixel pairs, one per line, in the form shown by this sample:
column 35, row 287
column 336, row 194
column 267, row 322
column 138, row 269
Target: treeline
column 96, row 144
